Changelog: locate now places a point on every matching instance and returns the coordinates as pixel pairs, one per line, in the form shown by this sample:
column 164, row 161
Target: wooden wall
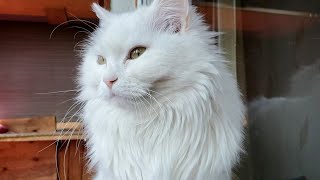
column 43, row 160
column 22, row 160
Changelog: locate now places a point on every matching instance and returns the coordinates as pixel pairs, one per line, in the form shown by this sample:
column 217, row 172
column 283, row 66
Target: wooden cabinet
column 45, row 150
column 54, row 11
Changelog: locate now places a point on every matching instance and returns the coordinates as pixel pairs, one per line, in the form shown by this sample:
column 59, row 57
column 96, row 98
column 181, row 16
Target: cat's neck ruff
column 186, row 126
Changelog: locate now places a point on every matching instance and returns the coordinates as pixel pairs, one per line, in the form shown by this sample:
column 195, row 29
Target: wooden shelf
column 38, row 148
column 14, row 137
column 40, row 128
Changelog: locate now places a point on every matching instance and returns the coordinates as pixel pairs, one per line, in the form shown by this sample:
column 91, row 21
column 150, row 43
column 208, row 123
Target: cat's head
column 154, row 49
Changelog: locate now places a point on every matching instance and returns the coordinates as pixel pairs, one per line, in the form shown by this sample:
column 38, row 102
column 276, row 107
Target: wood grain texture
column 40, row 129
column 86, row 175
column 77, row 126
column 56, row 16
column 106, row 4
column 72, row 164
column 23, row 161
column 37, row 8
column 40, row 124
column 22, row 137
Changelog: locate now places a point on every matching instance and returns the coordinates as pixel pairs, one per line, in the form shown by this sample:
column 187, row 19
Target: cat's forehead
column 122, row 34
column 126, row 29
column 135, row 21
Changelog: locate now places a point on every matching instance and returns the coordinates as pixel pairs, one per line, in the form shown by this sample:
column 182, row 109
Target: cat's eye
column 136, row 52
column 101, row 60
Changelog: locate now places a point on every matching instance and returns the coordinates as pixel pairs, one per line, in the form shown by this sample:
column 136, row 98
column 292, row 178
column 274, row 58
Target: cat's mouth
column 136, row 93
column 113, row 95
column 116, row 99
column 119, row 96
column 123, row 101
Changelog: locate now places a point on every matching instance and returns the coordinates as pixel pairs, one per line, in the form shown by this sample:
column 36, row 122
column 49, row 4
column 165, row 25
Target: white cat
column 160, row 103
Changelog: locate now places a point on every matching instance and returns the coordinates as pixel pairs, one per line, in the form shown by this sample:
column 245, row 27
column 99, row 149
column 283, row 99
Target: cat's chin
column 120, row 101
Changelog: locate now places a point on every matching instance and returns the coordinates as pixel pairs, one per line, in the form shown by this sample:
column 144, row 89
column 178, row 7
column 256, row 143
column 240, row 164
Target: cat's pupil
column 101, row 60
column 136, row 52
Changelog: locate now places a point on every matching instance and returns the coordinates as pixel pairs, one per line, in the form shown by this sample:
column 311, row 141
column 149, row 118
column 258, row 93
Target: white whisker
column 139, row 108
column 69, row 121
column 66, row 101
column 73, row 20
column 75, row 35
column 78, row 43
column 60, row 135
column 64, row 159
column 151, row 106
column 84, row 21
column 78, row 27
column 56, row 92
column 160, row 95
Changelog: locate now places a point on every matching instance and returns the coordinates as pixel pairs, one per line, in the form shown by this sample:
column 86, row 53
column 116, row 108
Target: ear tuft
column 171, row 15
column 101, row 13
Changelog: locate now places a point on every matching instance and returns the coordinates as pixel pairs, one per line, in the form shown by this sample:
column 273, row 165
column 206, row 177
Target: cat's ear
column 101, row 12
column 171, row 15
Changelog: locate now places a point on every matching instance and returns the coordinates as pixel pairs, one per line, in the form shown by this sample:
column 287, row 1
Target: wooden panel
column 18, row 137
column 69, row 125
column 28, row 125
column 106, row 4
column 35, row 155
column 72, row 161
column 86, row 175
column 79, row 8
column 40, row 129
column 23, row 161
column 56, row 16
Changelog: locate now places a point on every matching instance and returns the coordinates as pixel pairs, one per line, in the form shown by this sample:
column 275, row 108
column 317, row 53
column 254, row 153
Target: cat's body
column 172, row 113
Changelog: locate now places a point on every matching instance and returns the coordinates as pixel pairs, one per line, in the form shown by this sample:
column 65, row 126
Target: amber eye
column 136, row 52
column 101, row 60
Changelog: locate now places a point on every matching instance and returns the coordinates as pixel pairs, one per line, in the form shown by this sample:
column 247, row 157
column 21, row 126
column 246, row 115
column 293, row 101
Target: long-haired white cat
column 160, row 103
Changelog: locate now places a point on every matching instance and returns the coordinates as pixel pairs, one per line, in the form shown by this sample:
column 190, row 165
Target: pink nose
column 110, row 82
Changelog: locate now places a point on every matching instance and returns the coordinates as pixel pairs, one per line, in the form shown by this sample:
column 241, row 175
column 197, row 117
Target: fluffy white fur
column 174, row 113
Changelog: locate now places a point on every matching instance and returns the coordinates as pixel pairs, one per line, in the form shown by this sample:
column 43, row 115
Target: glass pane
column 280, row 42
column 274, row 48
